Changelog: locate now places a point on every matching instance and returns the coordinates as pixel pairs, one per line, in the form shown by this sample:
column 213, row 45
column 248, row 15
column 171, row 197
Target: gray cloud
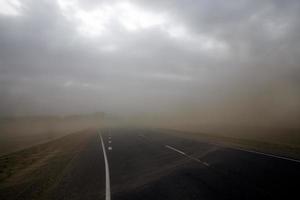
column 208, row 61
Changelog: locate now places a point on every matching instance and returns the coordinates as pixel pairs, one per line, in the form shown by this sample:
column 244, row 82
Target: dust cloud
column 230, row 67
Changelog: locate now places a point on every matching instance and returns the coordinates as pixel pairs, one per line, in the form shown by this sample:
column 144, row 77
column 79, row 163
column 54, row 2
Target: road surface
column 135, row 164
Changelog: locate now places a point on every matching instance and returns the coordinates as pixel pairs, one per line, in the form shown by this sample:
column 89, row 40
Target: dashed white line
column 107, row 178
column 172, row 148
column 109, row 148
column 186, row 155
column 206, row 164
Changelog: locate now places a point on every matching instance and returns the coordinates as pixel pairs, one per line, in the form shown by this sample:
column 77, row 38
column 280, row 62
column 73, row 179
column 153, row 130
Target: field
column 37, row 168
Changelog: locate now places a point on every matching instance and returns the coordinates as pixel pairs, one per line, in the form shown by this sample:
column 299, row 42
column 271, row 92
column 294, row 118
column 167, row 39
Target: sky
column 198, row 61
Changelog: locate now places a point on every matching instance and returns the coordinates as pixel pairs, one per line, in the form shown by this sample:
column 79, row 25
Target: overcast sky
column 207, row 59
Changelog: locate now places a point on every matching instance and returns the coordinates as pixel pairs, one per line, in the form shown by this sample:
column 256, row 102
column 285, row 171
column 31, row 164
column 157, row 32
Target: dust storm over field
column 187, row 64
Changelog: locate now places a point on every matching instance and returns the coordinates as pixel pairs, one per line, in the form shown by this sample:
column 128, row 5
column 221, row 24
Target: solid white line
column 172, row 148
column 265, row 154
column 107, row 180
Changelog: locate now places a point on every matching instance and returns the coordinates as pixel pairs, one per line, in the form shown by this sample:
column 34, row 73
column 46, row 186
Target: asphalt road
column 151, row 165
column 140, row 164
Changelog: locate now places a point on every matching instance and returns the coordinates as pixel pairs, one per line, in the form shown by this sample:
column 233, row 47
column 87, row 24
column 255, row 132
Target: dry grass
column 41, row 165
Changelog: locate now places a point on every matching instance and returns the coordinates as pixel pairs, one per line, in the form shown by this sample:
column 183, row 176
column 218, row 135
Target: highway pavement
column 135, row 164
column 147, row 164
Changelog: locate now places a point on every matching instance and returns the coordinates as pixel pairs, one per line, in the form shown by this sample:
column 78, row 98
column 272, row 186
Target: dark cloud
column 191, row 59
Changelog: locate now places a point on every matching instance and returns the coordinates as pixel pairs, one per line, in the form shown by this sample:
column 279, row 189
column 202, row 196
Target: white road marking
column 110, row 148
column 206, row 164
column 109, row 141
column 251, row 151
column 265, row 154
column 190, row 157
column 172, row 148
column 107, row 179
